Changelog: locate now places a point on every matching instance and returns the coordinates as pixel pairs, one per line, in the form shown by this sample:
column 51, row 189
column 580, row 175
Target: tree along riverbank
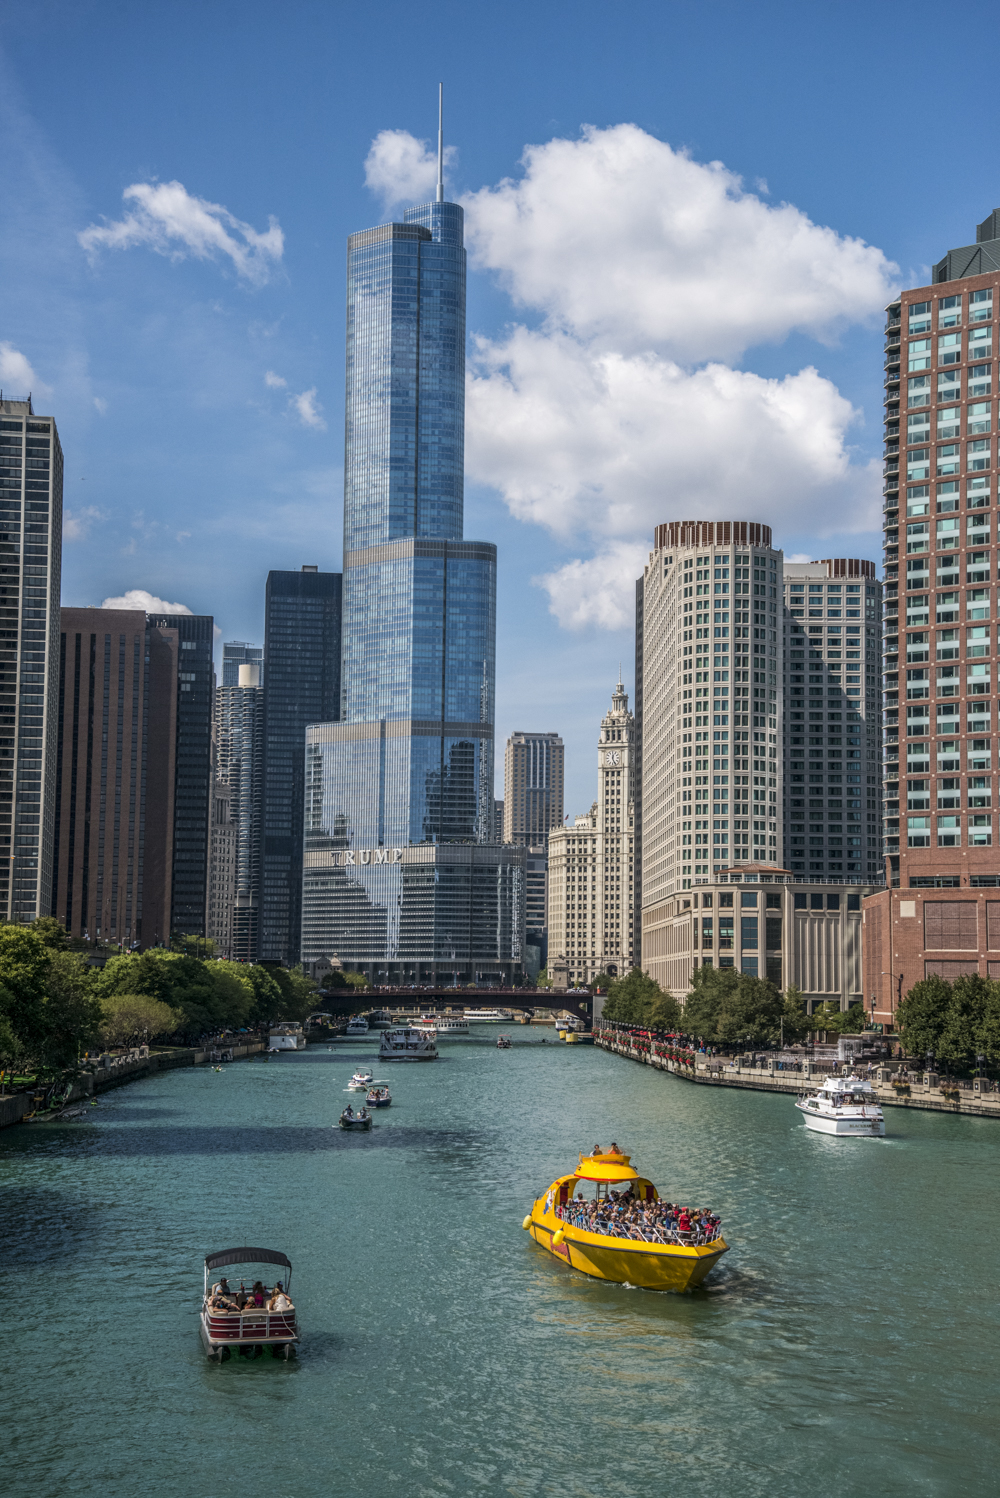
column 111, row 1071
column 923, row 1090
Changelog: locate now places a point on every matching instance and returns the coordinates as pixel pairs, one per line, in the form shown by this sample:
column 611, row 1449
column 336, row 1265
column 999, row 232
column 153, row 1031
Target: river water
column 845, row 1345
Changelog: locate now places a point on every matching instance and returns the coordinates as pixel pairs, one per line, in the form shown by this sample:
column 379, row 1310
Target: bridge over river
column 521, row 1001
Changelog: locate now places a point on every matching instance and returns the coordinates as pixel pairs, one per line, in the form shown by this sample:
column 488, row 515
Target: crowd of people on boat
column 222, row 1297
column 623, row 1215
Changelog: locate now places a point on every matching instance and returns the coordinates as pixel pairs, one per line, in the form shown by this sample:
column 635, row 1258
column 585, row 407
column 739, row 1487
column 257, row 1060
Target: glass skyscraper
column 402, row 877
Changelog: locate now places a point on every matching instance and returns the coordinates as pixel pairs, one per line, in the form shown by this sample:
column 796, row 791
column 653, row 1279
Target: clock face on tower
column 613, row 757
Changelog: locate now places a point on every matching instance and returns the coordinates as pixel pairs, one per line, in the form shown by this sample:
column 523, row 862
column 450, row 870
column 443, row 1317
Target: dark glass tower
column 410, row 765
column 193, row 772
column 301, row 686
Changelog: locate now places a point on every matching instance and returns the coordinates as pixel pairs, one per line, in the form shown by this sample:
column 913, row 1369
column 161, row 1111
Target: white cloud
column 582, row 440
column 17, row 376
column 649, row 274
column 171, row 221
column 274, row 381
column 138, row 598
column 76, row 523
column 401, row 169
column 101, row 405
column 309, row 409
column 623, row 240
column 798, row 556
column 599, row 591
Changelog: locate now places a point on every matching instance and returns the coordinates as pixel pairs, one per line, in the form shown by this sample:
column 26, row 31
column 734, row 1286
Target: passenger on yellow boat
column 622, row 1216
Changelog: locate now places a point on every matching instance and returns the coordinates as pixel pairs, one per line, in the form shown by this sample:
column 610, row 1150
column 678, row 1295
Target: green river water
column 847, row 1344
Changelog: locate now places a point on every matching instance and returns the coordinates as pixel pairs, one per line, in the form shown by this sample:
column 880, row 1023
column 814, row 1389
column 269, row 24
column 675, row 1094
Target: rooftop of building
column 977, row 259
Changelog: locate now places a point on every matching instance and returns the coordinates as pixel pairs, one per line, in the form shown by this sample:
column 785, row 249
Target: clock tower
column 591, row 898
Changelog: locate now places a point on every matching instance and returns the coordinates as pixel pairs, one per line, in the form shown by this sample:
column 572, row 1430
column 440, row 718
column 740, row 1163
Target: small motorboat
column 360, row 1082
column 503, row 1042
column 253, row 1329
column 379, row 1097
column 351, row 1120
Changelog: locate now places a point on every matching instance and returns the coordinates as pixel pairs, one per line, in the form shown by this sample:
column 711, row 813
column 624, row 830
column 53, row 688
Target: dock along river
column 847, row 1343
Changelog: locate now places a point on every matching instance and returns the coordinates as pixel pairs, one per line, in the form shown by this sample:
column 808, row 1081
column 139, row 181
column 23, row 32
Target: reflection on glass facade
column 410, row 764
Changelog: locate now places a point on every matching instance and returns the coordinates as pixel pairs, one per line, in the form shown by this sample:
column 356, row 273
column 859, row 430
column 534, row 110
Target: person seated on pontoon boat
column 279, row 1300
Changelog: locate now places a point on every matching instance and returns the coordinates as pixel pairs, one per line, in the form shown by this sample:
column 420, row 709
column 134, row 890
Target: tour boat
column 286, row 1037
column 488, row 1016
column 357, row 1026
column 633, row 1261
column 351, row 1120
column 379, row 1097
column 407, row 1043
column 254, row 1328
column 451, row 1026
column 379, row 1019
column 360, row 1082
column 844, row 1106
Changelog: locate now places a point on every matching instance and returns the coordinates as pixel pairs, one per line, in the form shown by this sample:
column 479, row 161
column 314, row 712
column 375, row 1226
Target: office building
column 115, row 774
column 401, row 874
column 302, row 645
column 592, row 899
column 711, row 659
column 940, row 506
column 532, row 787
column 237, row 653
column 31, row 497
column 832, row 733
column 192, row 769
column 770, row 923
column 498, row 821
column 237, row 815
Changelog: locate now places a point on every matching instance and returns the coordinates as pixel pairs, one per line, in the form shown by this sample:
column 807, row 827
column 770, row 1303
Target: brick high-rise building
column 937, row 915
column 115, row 776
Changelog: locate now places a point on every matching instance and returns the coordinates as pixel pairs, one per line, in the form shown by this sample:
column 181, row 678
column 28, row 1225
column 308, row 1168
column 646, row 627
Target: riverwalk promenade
column 927, row 1090
column 114, row 1069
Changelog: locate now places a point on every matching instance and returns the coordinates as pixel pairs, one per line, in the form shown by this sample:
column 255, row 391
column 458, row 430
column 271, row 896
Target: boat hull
column 624, row 1261
column 856, row 1128
column 361, row 1124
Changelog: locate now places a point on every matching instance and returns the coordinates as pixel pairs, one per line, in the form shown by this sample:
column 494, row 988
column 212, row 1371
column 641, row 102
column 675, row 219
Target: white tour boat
column 286, row 1037
column 844, row 1105
column 489, row 1016
column 407, row 1043
column 451, row 1026
column 357, row 1026
column 379, row 1019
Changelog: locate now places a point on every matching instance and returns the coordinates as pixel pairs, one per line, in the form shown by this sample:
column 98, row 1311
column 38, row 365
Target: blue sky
column 650, row 336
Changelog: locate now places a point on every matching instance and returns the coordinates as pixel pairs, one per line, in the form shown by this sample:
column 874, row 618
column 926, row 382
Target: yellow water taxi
column 655, row 1258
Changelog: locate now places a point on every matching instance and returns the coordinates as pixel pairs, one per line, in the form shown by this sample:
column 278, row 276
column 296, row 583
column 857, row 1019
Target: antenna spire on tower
column 440, row 185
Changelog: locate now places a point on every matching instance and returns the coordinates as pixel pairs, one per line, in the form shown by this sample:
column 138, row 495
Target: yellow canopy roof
column 606, row 1168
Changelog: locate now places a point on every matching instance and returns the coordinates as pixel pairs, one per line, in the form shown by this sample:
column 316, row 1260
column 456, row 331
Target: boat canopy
column 606, row 1168
column 246, row 1256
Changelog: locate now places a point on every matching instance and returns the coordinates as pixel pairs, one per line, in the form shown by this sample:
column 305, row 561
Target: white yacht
column 844, row 1105
column 407, row 1043
column 360, row 1082
column 489, row 1016
column 286, row 1036
column 357, row 1026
